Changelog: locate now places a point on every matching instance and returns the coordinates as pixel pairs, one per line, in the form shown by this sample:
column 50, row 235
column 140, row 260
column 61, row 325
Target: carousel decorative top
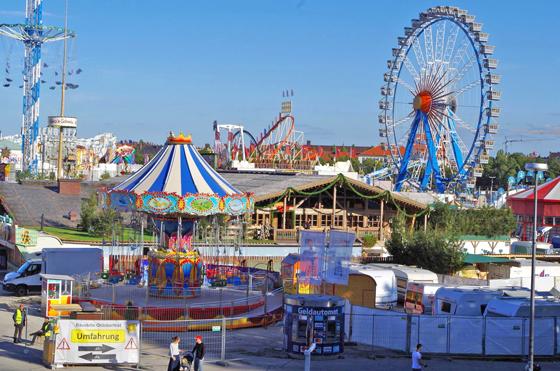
column 179, row 181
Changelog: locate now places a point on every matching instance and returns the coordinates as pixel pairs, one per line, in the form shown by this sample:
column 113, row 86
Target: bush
column 97, row 221
column 369, row 240
column 436, row 250
column 105, row 176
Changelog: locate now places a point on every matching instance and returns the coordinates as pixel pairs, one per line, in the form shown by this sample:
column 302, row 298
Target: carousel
column 175, row 189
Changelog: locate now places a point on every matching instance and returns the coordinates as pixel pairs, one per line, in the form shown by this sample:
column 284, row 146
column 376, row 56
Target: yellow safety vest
column 48, row 330
column 19, row 317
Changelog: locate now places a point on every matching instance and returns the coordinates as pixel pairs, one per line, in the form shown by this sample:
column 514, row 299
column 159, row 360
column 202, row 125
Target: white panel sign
column 63, row 121
column 94, row 342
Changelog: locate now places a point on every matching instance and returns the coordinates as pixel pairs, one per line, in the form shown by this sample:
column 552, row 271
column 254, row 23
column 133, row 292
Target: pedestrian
column 174, row 355
column 20, row 319
column 417, row 359
column 198, row 353
column 130, row 312
column 307, row 224
column 46, row 331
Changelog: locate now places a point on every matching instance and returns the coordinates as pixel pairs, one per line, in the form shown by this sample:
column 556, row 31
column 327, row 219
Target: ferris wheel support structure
column 33, row 35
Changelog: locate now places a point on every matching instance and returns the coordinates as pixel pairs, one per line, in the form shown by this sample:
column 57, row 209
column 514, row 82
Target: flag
column 312, row 246
column 338, row 257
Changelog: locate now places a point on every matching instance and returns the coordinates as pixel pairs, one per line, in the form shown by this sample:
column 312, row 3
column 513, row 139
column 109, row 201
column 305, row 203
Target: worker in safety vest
column 20, row 319
column 46, row 331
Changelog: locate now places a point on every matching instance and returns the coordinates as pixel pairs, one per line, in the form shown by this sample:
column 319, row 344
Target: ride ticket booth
column 315, row 319
column 56, row 290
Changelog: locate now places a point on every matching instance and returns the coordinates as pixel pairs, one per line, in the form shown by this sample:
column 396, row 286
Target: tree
column 88, row 213
column 98, row 221
column 486, row 221
column 436, row 250
column 5, row 153
column 139, row 157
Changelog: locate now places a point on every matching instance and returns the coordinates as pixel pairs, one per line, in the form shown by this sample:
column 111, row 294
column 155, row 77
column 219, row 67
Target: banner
column 92, row 342
column 338, row 257
column 312, row 246
column 26, row 237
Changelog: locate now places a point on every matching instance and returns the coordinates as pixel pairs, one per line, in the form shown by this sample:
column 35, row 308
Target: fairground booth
column 548, row 209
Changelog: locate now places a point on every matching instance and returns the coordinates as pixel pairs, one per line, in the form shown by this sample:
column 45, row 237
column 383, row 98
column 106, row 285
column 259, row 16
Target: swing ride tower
column 33, row 35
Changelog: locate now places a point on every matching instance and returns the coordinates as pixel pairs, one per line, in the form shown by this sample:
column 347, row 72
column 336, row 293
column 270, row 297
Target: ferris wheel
column 438, row 108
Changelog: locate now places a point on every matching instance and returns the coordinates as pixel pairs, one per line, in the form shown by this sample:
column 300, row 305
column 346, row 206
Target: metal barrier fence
column 476, row 335
column 213, row 334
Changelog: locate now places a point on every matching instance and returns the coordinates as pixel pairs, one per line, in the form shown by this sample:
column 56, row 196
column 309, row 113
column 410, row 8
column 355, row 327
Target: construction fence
column 475, row 335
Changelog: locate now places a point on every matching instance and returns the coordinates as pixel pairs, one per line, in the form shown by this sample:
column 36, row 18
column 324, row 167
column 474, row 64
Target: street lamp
column 535, row 168
column 491, row 187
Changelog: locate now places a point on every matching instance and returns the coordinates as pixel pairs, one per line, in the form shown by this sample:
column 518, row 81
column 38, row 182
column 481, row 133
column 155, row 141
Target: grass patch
column 70, row 234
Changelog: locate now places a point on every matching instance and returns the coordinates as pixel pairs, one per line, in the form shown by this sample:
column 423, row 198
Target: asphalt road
column 250, row 349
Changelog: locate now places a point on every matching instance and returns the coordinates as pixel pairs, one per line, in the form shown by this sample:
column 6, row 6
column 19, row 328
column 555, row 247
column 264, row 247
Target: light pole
column 491, row 187
column 535, row 167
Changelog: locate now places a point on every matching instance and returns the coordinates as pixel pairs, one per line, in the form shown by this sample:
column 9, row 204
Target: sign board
column 216, row 328
column 63, row 121
column 338, row 257
column 26, row 237
column 96, row 342
column 312, row 246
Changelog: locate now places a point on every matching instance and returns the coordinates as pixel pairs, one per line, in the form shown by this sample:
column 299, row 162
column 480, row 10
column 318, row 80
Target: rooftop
column 29, row 201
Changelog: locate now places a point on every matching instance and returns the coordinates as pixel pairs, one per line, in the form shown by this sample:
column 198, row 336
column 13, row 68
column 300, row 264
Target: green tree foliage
column 486, row 221
column 97, row 221
column 505, row 165
column 436, row 250
column 369, row 165
column 5, row 152
column 138, row 158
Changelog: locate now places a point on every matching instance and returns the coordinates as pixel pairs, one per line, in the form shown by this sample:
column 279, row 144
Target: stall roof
column 475, row 259
column 57, row 277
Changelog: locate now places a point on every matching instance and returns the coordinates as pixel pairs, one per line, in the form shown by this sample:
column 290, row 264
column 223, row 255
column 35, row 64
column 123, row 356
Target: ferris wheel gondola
column 438, row 107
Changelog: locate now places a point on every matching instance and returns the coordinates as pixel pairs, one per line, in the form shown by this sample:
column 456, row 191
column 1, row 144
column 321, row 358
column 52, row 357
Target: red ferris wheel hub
column 423, row 101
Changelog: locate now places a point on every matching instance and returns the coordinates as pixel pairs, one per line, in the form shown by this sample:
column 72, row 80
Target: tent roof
column 547, row 192
column 177, row 168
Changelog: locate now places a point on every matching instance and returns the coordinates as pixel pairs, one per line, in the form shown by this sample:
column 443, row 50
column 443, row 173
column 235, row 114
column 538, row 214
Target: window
column 373, row 221
column 33, row 269
column 338, row 221
column 445, row 307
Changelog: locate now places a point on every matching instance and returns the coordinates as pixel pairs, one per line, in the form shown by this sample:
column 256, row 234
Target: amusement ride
column 279, row 146
column 33, row 34
column 438, row 103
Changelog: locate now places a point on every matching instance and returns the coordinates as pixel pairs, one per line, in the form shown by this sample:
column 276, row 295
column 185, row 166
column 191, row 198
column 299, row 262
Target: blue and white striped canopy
column 177, row 168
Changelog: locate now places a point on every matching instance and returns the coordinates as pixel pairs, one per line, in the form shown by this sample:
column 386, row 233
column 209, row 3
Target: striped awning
column 179, row 180
column 177, row 168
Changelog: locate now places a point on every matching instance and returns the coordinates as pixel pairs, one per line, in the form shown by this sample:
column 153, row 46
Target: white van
column 419, row 297
column 405, row 274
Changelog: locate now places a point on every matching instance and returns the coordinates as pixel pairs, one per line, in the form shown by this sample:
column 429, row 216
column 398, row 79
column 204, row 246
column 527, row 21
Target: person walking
column 417, row 359
column 46, row 331
column 174, row 355
column 198, row 353
column 20, row 319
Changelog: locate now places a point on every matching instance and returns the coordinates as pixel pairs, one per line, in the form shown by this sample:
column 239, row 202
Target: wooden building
column 330, row 202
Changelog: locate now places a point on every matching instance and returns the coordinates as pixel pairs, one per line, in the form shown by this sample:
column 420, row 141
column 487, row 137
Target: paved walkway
column 249, row 349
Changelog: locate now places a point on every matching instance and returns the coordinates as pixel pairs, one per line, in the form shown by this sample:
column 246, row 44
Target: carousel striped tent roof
column 177, row 168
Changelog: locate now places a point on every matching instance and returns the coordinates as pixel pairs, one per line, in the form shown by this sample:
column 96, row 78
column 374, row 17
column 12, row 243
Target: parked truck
column 68, row 261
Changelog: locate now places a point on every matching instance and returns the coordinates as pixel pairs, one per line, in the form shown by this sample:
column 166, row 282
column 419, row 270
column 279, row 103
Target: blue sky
column 154, row 66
